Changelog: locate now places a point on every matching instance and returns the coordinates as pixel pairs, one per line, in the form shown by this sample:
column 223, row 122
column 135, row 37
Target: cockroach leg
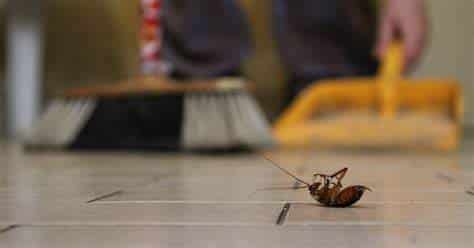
column 340, row 174
column 321, row 176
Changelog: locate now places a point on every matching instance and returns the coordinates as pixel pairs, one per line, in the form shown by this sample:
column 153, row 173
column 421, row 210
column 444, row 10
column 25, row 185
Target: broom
column 153, row 113
column 216, row 115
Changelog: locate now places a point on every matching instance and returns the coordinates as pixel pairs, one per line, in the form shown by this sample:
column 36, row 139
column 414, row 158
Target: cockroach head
column 314, row 187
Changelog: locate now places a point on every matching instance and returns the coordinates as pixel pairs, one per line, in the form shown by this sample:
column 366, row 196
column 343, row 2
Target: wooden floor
column 54, row 199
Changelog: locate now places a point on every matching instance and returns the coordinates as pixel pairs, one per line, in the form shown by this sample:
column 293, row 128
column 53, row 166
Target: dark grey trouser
column 321, row 39
column 205, row 38
column 316, row 38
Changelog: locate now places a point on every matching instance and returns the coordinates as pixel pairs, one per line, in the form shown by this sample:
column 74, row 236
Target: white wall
column 451, row 49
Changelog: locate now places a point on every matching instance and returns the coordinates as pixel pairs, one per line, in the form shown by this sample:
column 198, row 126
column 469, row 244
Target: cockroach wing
column 349, row 195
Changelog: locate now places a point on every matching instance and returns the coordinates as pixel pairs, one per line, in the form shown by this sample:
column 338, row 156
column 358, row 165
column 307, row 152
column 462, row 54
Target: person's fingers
column 413, row 27
column 385, row 36
column 406, row 20
column 414, row 32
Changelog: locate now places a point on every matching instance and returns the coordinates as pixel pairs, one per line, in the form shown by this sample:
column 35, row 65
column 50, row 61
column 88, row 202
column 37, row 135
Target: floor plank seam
column 206, row 202
column 237, row 224
column 102, row 197
column 144, row 224
column 8, row 228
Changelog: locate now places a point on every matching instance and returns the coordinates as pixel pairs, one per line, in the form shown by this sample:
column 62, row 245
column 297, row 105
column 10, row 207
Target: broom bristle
column 203, row 125
column 224, row 120
column 254, row 123
column 60, row 123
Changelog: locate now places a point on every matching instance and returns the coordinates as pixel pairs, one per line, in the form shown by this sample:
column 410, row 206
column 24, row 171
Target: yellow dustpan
column 385, row 111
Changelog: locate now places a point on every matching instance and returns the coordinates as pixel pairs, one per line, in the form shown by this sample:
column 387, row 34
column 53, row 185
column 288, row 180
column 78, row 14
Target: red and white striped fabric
column 151, row 38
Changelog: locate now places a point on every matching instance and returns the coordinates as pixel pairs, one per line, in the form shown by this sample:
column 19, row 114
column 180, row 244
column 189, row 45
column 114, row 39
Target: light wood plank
column 417, row 179
column 142, row 214
column 209, row 192
column 219, row 236
column 386, row 214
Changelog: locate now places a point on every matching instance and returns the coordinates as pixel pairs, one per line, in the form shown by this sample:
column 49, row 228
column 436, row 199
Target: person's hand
column 406, row 20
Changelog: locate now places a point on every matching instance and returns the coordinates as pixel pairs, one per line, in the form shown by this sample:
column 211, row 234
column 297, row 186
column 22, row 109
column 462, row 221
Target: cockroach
column 328, row 189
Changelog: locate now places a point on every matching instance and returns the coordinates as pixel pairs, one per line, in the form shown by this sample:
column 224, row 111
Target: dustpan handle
column 389, row 77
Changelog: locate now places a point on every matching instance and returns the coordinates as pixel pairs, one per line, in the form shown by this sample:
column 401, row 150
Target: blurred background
column 96, row 41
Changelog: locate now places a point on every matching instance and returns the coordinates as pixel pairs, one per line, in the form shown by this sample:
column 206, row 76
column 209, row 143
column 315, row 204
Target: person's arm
column 406, row 18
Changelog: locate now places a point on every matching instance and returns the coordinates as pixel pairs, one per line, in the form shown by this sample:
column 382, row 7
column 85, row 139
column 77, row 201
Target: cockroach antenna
column 285, row 171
